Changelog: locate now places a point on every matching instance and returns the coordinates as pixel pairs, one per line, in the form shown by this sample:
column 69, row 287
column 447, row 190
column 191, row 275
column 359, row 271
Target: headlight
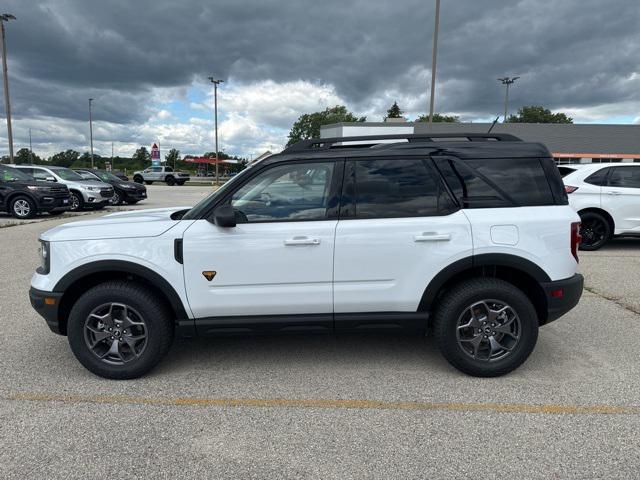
column 125, row 186
column 45, row 258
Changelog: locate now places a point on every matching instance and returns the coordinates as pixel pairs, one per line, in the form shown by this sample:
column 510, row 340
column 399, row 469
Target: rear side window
column 501, row 182
column 598, row 178
column 626, row 177
column 398, row 188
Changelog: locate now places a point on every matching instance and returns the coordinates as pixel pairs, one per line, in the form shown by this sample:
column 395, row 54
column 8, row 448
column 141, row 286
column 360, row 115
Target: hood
column 133, row 224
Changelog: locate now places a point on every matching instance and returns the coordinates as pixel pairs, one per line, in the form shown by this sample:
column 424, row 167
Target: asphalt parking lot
column 356, row 406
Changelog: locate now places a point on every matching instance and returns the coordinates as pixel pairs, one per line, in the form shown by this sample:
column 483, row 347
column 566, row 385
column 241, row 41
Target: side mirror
column 50, row 179
column 224, row 216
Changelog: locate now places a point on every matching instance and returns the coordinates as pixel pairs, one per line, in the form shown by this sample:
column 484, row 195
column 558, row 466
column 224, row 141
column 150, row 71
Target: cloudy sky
column 146, row 63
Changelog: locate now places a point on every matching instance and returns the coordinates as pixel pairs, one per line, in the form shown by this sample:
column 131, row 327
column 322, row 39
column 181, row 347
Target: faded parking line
column 330, row 404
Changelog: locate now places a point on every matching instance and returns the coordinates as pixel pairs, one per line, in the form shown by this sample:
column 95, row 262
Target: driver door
column 277, row 262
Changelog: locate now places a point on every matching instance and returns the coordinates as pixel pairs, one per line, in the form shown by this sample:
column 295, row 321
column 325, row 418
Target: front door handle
column 614, row 193
column 302, row 241
column 432, row 237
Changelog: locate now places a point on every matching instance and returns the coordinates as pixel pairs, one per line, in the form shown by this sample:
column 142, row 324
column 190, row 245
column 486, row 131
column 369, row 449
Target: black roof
column 463, row 145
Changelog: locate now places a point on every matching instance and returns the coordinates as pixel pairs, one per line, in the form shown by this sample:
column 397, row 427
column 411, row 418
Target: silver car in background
column 84, row 193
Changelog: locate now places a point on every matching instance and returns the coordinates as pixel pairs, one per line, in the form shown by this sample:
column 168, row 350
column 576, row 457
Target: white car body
column 620, row 203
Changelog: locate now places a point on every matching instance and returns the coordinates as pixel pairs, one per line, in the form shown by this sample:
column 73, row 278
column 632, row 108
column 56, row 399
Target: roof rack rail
column 327, row 143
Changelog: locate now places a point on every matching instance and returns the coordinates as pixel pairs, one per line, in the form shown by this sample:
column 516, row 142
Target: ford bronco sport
column 468, row 236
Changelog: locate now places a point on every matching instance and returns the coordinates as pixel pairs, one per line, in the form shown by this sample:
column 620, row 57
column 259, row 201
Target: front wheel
column 77, row 202
column 170, row 181
column 23, row 207
column 595, row 231
column 116, row 199
column 486, row 327
column 120, row 330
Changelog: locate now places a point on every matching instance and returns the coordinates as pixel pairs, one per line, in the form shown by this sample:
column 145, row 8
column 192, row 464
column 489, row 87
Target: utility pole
column 30, row 148
column 91, row 131
column 112, row 165
column 5, row 17
column 215, row 109
column 434, row 57
column 506, row 81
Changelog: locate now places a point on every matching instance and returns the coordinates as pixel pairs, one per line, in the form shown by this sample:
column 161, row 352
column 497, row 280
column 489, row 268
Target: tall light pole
column 5, row 17
column 91, row 131
column 215, row 110
column 434, row 57
column 30, row 148
column 506, row 81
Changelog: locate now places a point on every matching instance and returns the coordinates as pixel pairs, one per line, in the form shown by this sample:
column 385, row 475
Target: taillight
column 570, row 189
column 575, row 239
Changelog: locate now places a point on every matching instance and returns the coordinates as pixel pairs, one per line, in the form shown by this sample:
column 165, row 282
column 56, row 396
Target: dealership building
column 569, row 143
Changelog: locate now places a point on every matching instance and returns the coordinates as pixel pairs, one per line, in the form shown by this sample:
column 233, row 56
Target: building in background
column 569, row 143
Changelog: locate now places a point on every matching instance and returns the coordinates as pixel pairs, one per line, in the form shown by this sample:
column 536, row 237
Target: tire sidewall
column 451, row 312
column 154, row 313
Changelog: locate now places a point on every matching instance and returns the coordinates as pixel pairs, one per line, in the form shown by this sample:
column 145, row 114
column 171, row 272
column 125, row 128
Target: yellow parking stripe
column 333, row 404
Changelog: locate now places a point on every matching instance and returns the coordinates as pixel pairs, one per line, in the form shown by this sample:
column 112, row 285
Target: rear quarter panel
column 539, row 234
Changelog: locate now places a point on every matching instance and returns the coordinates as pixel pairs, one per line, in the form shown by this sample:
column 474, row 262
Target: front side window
column 168, row 169
column 156, row 169
column 625, row 177
column 67, row 174
column 396, row 188
column 298, row 191
column 40, row 174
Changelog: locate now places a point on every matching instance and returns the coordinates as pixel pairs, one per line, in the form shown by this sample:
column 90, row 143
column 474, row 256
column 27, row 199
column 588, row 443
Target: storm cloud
column 578, row 55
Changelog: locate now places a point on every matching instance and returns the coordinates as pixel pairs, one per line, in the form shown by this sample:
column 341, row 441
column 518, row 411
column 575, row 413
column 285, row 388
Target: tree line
column 308, row 125
column 140, row 160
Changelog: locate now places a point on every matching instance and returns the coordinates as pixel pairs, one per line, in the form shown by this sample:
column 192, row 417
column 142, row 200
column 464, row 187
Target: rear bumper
column 562, row 295
column 47, row 309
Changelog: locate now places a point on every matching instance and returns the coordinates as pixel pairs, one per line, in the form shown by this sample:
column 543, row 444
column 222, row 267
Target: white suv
column 469, row 236
column 607, row 198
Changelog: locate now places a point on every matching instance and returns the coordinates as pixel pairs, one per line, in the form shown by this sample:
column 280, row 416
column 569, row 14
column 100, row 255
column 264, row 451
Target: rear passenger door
column 621, row 198
column 398, row 228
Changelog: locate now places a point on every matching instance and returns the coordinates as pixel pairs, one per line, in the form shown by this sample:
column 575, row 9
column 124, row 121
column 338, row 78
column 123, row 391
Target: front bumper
column 562, row 295
column 134, row 194
column 48, row 203
column 47, row 304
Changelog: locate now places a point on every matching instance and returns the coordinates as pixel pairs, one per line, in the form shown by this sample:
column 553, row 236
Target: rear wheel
column 23, row 207
column 486, row 327
column 595, row 231
column 120, row 330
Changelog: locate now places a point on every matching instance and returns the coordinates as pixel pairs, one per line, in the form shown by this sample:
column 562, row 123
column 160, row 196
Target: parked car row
column 26, row 190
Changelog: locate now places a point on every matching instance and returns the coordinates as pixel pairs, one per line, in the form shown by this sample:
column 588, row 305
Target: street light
column 215, row 109
column 434, row 56
column 506, row 81
column 5, row 17
column 91, row 131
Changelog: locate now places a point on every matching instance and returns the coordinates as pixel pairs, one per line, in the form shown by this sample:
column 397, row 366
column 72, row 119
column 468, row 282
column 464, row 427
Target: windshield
column 106, row 176
column 204, row 204
column 9, row 174
column 67, row 174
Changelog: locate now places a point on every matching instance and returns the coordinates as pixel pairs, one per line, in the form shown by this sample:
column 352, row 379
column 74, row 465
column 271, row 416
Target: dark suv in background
column 23, row 197
column 124, row 192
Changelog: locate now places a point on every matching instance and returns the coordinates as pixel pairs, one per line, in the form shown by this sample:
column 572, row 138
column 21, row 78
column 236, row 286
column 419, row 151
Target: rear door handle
column 302, row 241
column 432, row 237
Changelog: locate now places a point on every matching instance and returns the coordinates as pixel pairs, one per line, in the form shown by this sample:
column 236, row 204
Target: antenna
column 493, row 124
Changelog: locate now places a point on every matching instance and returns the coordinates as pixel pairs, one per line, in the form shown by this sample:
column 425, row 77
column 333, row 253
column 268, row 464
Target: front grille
column 59, row 192
column 106, row 192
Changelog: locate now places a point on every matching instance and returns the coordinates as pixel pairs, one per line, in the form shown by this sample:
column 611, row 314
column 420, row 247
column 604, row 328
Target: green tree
column 64, row 159
column 25, row 156
column 172, row 157
column 142, row 156
column 439, row 118
column 394, row 111
column 538, row 114
column 308, row 125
